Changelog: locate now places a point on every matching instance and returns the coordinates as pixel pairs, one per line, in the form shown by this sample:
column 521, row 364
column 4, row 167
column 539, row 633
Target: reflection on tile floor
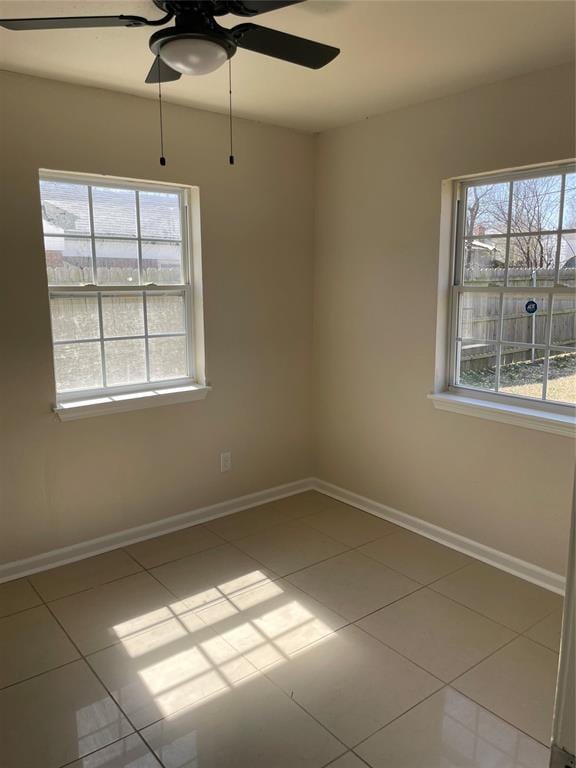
column 192, row 651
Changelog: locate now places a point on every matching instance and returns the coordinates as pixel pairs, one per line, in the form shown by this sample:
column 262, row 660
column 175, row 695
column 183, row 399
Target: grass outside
column 525, row 378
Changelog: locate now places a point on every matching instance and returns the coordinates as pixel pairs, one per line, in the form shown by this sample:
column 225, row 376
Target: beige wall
column 378, row 219
column 378, row 212
column 67, row 482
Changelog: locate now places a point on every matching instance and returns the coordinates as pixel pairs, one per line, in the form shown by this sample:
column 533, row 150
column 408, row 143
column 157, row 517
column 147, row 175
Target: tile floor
column 299, row 634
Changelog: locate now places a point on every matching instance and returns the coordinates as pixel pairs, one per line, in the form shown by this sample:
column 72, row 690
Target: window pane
column 569, row 218
column 68, row 260
column 561, row 377
column 117, row 261
column 168, row 358
column 78, row 366
column 123, row 315
column 160, row 216
column 125, row 362
column 484, row 261
column 477, row 365
column 521, row 371
column 567, row 274
column 487, row 209
column 114, row 211
column 536, row 204
column 564, row 321
column 524, row 318
column 165, row 313
column 479, row 316
column 532, row 260
column 64, row 208
column 74, row 317
column 162, row 263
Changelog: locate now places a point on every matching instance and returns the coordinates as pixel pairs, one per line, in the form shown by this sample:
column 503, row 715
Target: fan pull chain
column 162, row 158
column 231, row 158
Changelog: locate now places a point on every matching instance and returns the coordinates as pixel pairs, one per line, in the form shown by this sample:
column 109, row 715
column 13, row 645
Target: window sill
column 83, row 409
column 530, row 418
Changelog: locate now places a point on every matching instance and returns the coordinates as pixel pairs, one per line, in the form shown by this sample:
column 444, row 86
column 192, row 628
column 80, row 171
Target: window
column 513, row 314
column 121, row 285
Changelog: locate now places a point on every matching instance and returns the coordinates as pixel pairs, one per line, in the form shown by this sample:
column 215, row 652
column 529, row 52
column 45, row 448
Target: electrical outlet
column 225, row 461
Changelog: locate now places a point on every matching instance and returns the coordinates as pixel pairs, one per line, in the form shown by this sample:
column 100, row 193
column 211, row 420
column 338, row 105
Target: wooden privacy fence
column 70, row 274
column 480, row 314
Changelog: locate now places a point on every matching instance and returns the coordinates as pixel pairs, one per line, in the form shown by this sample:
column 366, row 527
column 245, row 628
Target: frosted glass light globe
column 193, row 56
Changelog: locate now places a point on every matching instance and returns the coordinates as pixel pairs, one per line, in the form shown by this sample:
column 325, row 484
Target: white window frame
column 535, row 413
column 90, row 402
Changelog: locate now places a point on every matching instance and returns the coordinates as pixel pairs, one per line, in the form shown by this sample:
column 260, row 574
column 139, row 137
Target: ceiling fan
column 196, row 44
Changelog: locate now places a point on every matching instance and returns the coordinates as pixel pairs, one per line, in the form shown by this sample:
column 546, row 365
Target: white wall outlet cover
column 225, row 461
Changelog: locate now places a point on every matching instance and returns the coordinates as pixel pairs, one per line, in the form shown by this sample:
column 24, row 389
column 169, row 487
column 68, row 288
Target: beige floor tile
column 416, row 556
column 270, row 623
column 173, row 546
column 245, row 523
column 349, row 760
column 498, row 595
column 517, row 683
column 290, row 547
column 57, row 717
column 75, row 577
column 102, row 616
column 32, row 642
column 259, row 519
column 130, row 752
column 548, row 631
column 303, row 504
column 353, row 684
column 17, row 596
column 177, row 664
column 208, row 577
column 252, row 725
column 450, row 731
column 353, row 585
column 349, row 525
column 442, row 636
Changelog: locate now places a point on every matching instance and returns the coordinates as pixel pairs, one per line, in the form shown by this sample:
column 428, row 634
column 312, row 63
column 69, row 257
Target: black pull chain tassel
column 162, row 158
column 231, row 159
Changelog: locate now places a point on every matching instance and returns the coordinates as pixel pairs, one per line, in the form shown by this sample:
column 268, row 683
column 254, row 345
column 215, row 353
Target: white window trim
column 87, row 403
column 555, row 418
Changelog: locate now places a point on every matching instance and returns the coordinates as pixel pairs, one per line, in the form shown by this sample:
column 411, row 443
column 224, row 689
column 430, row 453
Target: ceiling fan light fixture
column 193, row 55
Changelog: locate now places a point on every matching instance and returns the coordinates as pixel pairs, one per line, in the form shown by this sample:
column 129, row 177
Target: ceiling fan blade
column 72, row 22
column 281, row 45
column 256, row 7
column 162, row 73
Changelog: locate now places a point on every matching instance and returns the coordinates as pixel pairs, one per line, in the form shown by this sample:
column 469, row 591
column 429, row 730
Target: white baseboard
column 19, row 568
column 521, row 568
column 533, row 573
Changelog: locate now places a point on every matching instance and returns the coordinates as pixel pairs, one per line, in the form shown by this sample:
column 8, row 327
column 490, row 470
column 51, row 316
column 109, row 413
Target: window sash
column 143, row 289
column 140, row 291
column 458, row 288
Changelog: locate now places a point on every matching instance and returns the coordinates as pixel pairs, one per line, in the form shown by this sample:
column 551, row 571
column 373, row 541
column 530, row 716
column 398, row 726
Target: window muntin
column 513, row 293
column 119, row 283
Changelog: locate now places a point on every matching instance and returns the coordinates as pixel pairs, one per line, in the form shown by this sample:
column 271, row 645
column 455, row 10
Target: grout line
column 40, row 674
column 104, row 686
column 112, row 743
column 219, row 543
column 382, row 727
column 285, row 576
column 508, row 722
column 262, row 673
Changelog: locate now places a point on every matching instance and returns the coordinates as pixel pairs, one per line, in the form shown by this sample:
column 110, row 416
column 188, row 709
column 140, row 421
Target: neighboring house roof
column 481, row 245
column 65, row 206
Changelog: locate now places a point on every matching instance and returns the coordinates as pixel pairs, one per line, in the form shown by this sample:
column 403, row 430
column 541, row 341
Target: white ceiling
column 393, row 54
